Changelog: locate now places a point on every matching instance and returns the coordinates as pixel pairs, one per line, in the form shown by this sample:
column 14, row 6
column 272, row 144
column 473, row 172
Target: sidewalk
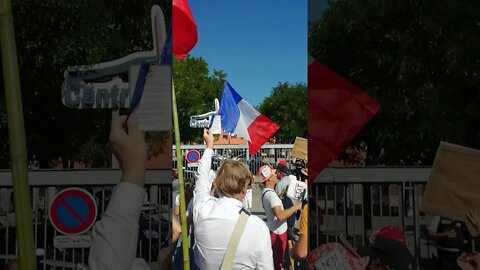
column 257, row 208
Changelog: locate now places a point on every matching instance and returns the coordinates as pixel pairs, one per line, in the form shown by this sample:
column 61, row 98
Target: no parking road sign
column 73, row 211
column 193, row 156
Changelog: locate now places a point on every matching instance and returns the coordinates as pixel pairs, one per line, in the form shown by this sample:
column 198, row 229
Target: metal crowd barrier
column 355, row 202
column 154, row 223
column 268, row 154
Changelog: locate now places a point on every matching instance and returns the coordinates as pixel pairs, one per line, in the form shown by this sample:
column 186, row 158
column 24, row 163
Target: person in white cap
column 276, row 215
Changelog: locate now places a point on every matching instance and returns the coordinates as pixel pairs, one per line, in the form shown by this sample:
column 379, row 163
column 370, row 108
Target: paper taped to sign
column 452, row 189
column 300, row 148
column 155, row 110
column 216, row 125
column 72, row 241
column 332, row 260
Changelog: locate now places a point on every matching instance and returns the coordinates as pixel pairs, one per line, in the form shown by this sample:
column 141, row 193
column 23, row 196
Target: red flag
column 184, row 29
column 337, row 111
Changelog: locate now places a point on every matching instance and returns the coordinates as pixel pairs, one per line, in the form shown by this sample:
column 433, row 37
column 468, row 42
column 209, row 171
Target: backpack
column 287, row 203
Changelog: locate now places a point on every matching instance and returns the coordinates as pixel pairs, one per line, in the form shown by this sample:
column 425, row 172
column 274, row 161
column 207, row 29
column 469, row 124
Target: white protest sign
column 332, row 260
column 155, row 109
column 216, row 125
column 297, row 190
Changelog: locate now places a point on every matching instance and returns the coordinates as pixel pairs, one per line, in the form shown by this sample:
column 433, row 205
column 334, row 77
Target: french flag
column 239, row 117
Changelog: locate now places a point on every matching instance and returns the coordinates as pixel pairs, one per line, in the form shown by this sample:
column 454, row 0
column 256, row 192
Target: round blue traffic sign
column 73, row 211
column 193, row 156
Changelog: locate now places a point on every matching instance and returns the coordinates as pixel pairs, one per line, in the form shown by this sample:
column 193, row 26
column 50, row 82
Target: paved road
column 257, row 208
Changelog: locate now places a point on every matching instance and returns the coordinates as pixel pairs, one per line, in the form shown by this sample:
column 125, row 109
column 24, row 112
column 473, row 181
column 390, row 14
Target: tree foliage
column 419, row 59
column 287, row 106
column 196, row 89
column 52, row 35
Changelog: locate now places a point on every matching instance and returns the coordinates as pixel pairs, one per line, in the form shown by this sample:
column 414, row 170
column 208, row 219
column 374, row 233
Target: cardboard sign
column 333, row 260
column 300, row 148
column 453, row 187
column 469, row 261
column 335, row 256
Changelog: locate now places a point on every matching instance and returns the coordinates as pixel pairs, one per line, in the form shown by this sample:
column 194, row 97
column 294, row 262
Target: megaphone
column 202, row 120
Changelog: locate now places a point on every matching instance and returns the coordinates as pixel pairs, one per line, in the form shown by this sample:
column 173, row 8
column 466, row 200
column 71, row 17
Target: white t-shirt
column 283, row 183
column 247, row 201
column 271, row 200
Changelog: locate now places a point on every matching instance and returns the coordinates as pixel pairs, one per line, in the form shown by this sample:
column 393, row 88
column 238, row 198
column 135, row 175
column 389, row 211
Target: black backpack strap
column 263, row 195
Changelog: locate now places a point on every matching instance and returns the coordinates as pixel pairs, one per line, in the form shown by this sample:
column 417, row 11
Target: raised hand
column 129, row 148
column 208, row 137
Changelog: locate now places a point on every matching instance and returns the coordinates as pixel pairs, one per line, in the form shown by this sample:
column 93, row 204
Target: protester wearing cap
column 215, row 219
column 276, row 215
column 285, row 179
column 284, row 176
column 387, row 254
column 299, row 171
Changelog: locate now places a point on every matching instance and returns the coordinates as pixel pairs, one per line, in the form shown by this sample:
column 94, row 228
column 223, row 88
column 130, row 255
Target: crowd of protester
column 219, row 198
column 218, row 202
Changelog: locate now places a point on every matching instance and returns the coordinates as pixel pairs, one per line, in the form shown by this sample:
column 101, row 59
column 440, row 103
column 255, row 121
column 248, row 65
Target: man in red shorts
column 276, row 215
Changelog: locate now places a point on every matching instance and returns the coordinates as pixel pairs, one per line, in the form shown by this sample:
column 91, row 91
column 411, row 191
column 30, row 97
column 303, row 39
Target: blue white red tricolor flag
column 240, row 118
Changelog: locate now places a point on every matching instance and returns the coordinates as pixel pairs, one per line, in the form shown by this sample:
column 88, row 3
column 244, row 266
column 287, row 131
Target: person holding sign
column 215, row 219
column 114, row 237
column 451, row 239
column 276, row 215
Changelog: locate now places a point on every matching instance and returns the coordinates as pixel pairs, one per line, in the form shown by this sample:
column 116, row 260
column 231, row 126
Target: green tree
column 196, row 89
column 52, row 35
column 419, row 60
column 287, row 106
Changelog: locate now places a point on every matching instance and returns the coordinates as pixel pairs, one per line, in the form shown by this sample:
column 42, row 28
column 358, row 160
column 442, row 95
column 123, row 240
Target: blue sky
column 258, row 43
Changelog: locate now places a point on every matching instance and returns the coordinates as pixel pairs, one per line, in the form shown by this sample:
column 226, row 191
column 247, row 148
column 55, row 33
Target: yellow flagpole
column 16, row 133
column 181, row 191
